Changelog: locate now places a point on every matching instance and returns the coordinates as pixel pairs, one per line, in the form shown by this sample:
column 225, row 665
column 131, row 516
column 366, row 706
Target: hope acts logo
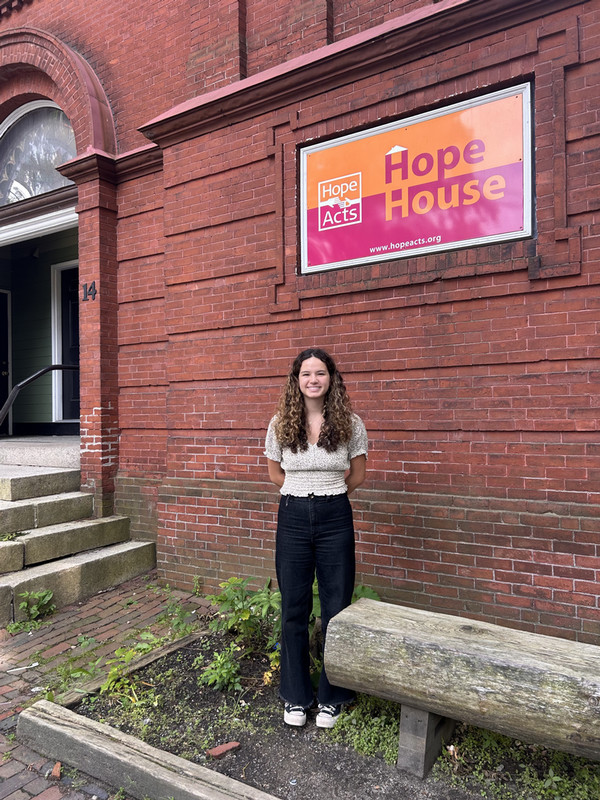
column 340, row 202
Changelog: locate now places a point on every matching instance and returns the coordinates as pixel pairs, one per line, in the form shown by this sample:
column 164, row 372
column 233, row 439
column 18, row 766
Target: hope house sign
column 455, row 177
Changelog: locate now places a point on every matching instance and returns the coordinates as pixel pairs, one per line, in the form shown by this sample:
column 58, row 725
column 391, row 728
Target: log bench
column 443, row 668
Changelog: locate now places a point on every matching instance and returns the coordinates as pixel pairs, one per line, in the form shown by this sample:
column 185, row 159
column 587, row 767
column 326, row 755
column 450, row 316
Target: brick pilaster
column 94, row 175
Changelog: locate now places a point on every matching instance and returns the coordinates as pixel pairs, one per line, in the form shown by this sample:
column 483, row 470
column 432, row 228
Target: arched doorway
column 37, row 66
column 39, row 321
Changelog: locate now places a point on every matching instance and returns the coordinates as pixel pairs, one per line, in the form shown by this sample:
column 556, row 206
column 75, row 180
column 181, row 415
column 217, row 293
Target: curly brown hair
column 290, row 424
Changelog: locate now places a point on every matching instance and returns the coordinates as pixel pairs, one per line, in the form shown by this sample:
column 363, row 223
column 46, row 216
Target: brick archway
column 35, row 63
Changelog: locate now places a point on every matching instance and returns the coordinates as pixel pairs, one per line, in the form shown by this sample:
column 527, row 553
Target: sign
column 455, row 177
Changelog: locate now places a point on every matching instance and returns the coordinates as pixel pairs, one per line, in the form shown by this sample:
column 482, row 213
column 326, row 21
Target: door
column 4, row 355
column 69, row 305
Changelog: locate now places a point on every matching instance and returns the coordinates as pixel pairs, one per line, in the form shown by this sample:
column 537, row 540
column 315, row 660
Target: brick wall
column 476, row 371
column 280, row 30
column 148, row 58
column 359, row 15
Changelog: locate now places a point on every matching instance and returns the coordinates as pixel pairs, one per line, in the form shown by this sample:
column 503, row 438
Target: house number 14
column 89, row 291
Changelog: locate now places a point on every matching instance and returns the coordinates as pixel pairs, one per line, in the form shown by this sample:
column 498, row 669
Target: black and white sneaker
column 328, row 715
column 294, row 715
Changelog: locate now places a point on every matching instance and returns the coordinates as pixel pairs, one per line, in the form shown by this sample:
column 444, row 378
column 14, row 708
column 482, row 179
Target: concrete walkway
column 28, row 659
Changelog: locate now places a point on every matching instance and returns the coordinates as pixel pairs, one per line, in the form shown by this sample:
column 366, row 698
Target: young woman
column 316, row 452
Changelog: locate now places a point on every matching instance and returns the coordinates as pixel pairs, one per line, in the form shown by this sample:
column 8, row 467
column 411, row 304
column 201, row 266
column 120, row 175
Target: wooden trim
column 36, row 206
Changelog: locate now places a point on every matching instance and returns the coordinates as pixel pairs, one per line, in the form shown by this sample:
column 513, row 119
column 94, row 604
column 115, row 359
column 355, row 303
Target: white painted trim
column 56, row 316
column 43, row 225
column 21, row 111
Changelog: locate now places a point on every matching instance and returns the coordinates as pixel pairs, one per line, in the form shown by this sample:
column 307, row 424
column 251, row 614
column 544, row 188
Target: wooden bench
column 443, row 668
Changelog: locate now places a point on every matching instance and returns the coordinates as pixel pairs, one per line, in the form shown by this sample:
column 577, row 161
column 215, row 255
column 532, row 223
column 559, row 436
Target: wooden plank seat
column 444, row 668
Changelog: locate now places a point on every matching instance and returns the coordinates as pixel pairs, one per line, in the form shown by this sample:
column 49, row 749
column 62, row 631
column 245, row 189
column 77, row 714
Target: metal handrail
column 16, row 389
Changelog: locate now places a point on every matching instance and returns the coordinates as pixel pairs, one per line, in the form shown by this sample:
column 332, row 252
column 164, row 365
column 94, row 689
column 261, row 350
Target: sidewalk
column 27, row 659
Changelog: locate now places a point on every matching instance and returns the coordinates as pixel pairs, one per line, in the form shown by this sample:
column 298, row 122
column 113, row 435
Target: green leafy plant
column 86, row 642
column 36, row 606
column 147, row 641
column 178, row 618
column 120, row 683
column 223, row 672
column 364, row 591
column 250, row 615
column 234, row 609
column 24, row 625
column 253, row 617
column 76, row 779
column 69, row 671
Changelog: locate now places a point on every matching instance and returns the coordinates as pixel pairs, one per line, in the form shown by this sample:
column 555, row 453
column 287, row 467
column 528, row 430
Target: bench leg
column 421, row 737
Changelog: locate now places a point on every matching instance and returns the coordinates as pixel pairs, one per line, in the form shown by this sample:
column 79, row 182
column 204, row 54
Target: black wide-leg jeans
column 314, row 534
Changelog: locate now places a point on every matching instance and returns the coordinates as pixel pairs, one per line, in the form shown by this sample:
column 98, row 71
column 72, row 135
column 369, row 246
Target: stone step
column 76, row 577
column 44, row 451
column 23, row 515
column 57, row 541
column 20, row 483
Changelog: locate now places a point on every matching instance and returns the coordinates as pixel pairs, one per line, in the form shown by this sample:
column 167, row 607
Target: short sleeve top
column 315, row 471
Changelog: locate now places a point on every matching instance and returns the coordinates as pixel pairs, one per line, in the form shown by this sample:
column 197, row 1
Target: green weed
column 246, row 613
column 178, row 618
column 120, row 683
column 36, row 606
column 72, row 671
column 223, row 672
column 86, row 642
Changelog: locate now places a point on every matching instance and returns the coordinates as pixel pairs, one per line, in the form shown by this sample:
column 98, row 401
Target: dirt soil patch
column 167, row 707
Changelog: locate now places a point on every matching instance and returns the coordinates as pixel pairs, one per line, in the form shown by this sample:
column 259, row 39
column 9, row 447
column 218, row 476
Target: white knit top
column 315, row 471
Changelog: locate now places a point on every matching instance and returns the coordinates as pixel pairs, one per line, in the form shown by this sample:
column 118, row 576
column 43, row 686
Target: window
column 34, row 140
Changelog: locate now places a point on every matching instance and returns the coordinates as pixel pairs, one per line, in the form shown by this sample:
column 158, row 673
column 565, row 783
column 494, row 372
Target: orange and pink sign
column 455, row 177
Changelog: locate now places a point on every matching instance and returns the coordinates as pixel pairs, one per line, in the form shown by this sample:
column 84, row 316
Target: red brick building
column 475, row 367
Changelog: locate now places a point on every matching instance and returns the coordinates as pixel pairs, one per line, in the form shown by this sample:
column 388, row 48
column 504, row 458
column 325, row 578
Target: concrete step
column 46, row 451
column 58, row 541
column 23, row 515
column 21, row 483
column 76, row 577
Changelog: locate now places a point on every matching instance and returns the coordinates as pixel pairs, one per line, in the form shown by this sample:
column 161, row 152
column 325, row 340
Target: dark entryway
column 4, row 354
column 70, row 341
